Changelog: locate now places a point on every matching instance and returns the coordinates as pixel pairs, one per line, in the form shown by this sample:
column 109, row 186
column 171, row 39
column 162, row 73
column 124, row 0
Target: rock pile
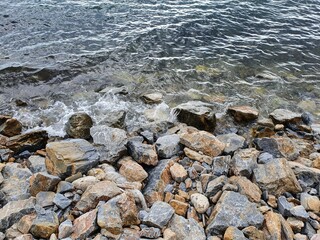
column 181, row 181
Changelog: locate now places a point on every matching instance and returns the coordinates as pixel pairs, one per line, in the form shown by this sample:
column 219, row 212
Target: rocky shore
column 204, row 176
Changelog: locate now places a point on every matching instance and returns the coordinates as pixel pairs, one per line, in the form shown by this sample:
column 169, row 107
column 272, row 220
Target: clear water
column 58, row 54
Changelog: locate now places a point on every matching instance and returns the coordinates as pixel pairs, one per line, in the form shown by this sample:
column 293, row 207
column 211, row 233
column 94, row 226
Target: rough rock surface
column 244, row 161
column 43, row 182
column 159, row 215
column 168, row 146
column 143, row 153
column 78, row 126
column 11, row 127
column 285, row 116
column 45, row 224
column 232, row 141
column 243, row 113
column 84, row 225
column 131, row 170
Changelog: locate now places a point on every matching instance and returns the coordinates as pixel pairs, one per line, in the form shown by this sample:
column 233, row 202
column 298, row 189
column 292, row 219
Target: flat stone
column 25, row 223
column 109, row 218
column 276, row 177
column 178, row 173
column 186, row 229
column 232, row 141
column 143, row 153
column 44, row 225
column 244, row 161
column 84, row 225
column 247, row 188
column 233, row 209
column 11, row 127
column 61, row 201
column 64, row 187
column 221, row 165
column 65, row 229
column 37, row 164
column 201, row 141
column 299, row 212
column 131, row 170
column 110, row 142
column 101, row 191
column 114, row 119
column 43, row 182
column 66, row 158
column 200, row 202
column 45, row 199
column 197, row 114
column 159, row 215
column 243, row 113
column 78, row 126
column 168, row 146
column 285, row 116
column 197, row 156
column 233, row 233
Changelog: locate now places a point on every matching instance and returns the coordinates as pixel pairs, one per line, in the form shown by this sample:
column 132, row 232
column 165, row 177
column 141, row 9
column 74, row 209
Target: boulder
column 66, row 158
column 233, row 209
column 143, row 153
column 110, row 142
column 11, row 127
column 232, row 142
column 131, row 170
column 197, row 114
column 168, row 146
column 45, row 224
column 78, row 126
column 276, row 177
column 159, row 215
column 201, row 141
column 244, row 161
column 285, row 116
column 84, row 225
column 43, row 182
column 243, row 113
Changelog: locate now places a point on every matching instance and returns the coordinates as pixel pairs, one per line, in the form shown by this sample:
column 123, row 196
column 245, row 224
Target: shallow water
column 58, row 54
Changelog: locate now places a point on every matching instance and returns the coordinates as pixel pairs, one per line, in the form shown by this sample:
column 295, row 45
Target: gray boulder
column 232, row 141
column 143, row 153
column 244, row 161
column 168, row 146
column 159, row 215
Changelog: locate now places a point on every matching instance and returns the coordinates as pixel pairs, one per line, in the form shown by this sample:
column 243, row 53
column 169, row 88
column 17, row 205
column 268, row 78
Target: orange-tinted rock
column 43, row 182
column 180, row 208
column 131, row 170
column 11, row 127
column 246, row 187
column 84, row 225
column 178, row 173
column 243, row 113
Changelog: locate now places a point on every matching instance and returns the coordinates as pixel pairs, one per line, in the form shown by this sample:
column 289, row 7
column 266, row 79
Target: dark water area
column 57, row 54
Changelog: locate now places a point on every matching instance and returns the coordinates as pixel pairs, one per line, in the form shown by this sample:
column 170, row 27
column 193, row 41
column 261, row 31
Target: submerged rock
column 78, row 126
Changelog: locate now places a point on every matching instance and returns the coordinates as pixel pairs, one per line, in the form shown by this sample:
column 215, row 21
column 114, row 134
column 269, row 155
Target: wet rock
column 243, row 113
column 187, row 229
column 201, row 141
column 115, row 119
column 84, row 182
column 233, row 209
column 200, row 202
column 178, row 173
column 247, row 188
column 197, row 114
column 45, row 199
column 11, row 127
column 25, row 223
column 110, row 142
column 84, row 225
column 131, row 170
column 299, row 212
column 160, row 113
column 285, row 116
column 244, row 161
column 159, row 215
column 37, row 164
column 61, row 201
column 66, row 158
column 101, row 191
column 30, row 141
column 159, row 178
column 78, row 126
column 150, row 232
column 267, row 75
column 168, row 146
column 232, row 142
column 276, row 177
column 143, row 153
column 233, row 233
column 197, row 156
column 45, row 224
column 179, row 207
column 152, row 98
column 215, row 185
column 109, row 218
column 221, row 165
column 284, row 206
column 43, row 182
column 65, row 229
column 310, row 202
column 64, row 187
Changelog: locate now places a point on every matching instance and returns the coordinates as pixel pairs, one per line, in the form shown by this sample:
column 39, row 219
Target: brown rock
column 197, row 156
column 310, row 202
column 233, row 233
column 143, row 153
column 131, row 170
column 109, row 218
column 101, row 191
column 243, row 113
column 44, row 225
column 178, row 173
column 253, row 233
column 11, row 127
column 180, row 208
column 84, row 225
column 273, row 225
column 128, row 209
column 201, row 141
column 246, row 187
column 272, row 201
column 295, row 224
column 285, row 116
column 78, row 126
column 25, row 223
column 168, row 234
column 43, row 182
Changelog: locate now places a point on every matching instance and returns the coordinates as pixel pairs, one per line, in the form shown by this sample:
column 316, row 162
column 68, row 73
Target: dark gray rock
column 168, row 146
column 215, row 185
column 244, row 161
column 197, row 114
column 61, row 201
column 159, row 215
column 234, row 209
column 284, row 206
column 233, row 142
column 309, row 176
column 309, row 230
column 45, row 199
column 143, row 153
column 148, row 136
column 5, row 154
column 78, row 126
column 221, row 165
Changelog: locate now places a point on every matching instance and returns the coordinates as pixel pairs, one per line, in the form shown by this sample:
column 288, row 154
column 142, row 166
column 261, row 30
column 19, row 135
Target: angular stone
column 131, row 170
column 114, row 119
column 197, row 156
column 159, row 215
column 243, row 113
column 25, row 223
column 61, row 201
column 201, row 141
column 130, row 234
column 24, row 237
column 78, row 126
column 200, row 202
column 168, row 146
column 233, row 209
column 66, row 158
column 310, row 202
column 109, row 218
column 253, row 233
column 37, row 164
column 179, row 207
column 309, row 176
column 215, row 185
column 186, row 229
column 45, row 199
column 232, row 141
column 284, row 206
column 299, row 212
column 221, row 165
column 264, row 157
column 45, row 224
column 11, row 127
column 197, row 114
column 101, row 191
column 233, row 233
column 43, row 182
column 295, row 224
column 5, row 154
column 64, row 186
column 30, row 141
column 143, row 153
column 152, row 97
column 247, row 188
column 128, row 208
column 285, row 116
column 150, row 232
column 273, row 225
column 168, row 234
column 84, row 225
column 276, row 177
column 84, row 182
column 110, row 142
column 244, row 161
column 65, row 229
column 178, row 173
